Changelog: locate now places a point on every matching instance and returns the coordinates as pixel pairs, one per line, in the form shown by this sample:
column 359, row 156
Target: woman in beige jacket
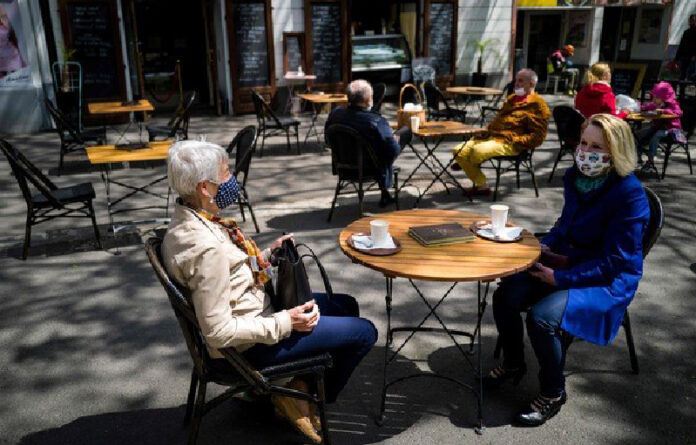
column 226, row 273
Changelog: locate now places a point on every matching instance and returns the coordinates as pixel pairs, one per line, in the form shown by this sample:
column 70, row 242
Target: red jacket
column 597, row 98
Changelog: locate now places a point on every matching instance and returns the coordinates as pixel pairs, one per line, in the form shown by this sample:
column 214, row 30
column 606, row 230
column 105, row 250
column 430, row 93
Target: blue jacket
column 375, row 128
column 602, row 235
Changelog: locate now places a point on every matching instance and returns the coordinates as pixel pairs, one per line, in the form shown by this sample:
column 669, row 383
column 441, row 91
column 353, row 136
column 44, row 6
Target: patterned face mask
column 227, row 193
column 592, row 163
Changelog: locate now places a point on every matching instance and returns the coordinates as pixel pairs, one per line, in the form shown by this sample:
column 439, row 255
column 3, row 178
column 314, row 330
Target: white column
column 596, row 33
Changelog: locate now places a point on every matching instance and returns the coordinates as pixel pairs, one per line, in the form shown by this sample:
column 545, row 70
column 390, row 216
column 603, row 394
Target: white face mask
column 519, row 91
column 592, row 163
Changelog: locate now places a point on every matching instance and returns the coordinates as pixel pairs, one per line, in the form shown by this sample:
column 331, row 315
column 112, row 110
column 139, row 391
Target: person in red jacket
column 596, row 96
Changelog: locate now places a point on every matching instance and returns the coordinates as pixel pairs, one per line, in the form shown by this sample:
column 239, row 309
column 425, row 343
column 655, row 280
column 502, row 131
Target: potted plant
column 479, row 78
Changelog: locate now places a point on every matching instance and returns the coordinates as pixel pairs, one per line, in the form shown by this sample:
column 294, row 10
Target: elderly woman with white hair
column 226, row 272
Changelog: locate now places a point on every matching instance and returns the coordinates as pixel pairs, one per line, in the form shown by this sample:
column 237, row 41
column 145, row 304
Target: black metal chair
column 243, row 148
column 379, row 90
column 568, row 124
column 178, row 125
column 280, row 103
column 494, row 106
column 504, row 164
column 651, row 235
column 669, row 145
column 354, row 161
column 271, row 124
column 433, row 99
column 51, row 202
column 71, row 139
column 241, row 377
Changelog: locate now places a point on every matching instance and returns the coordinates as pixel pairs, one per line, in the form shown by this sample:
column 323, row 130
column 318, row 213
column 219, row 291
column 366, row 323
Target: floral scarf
column 261, row 268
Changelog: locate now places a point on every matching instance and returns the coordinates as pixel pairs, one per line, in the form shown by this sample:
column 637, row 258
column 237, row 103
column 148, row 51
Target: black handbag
column 292, row 283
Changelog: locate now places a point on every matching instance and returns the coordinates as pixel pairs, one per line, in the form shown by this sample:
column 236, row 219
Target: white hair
column 359, row 92
column 190, row 162
column 530, row 74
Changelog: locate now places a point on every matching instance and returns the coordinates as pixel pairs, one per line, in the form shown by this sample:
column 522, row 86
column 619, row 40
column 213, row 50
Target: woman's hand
column 543, row 274
column 279, row 242
column 304, row 322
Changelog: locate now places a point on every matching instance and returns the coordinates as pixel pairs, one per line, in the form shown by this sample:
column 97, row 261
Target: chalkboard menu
column 327, row 45
column 293, row 52
column 626, row 78
column 251, row 45
column 91, row 34
column 441, row 36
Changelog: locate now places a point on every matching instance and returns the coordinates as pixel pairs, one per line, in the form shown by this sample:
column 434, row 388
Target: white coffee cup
column 499, row 214
column 415, row 123
column 379, row 232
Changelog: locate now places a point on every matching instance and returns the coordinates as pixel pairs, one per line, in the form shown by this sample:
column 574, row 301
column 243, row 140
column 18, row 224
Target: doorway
column 169, row 51
column 542, row 33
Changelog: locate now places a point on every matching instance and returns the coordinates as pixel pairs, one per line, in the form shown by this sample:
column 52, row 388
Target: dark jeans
column 651, row 137
column 388, row 156
column 545, row 306
column 340, row 332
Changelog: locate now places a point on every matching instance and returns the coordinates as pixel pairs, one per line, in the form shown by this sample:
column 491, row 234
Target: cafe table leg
column 443, row 171
column 312, row 125
column 429, row 152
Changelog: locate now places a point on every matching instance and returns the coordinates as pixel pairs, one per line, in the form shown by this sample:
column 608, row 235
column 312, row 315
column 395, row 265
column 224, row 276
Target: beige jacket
column 231, row 309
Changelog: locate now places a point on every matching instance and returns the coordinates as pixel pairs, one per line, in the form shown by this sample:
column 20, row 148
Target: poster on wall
column 13, row 66
column 578, row 29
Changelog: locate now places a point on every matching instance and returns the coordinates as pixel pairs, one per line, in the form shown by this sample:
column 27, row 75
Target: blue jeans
column 339, row 332
column 652, row 137
column 545, row 306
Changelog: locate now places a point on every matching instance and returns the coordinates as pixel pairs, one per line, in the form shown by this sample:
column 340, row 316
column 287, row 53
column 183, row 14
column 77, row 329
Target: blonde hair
column 619, row 140
column 596, row 73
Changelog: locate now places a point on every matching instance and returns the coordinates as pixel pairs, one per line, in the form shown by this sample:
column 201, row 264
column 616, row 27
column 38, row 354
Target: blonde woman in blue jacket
column 591, row 265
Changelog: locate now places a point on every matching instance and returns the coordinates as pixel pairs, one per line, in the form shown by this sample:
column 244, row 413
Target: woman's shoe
column 314, row 417
column 498, row 376
column 455, row 167
column 540, row 410
column 286, row 408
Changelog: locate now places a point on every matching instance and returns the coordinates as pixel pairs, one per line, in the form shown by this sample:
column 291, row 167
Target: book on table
column 441, row 234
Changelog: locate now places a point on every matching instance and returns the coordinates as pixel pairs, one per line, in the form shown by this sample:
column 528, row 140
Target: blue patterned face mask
column 227, row 193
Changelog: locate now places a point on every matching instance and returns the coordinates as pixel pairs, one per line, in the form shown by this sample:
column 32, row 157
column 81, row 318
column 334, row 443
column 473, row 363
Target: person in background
column 10, row 57
column 521, row 124
column 590, row 266
column 664, row 100
column 686, row 52
column 562, row 65
column 226, row 274
column 596, row 95
column 375, row 128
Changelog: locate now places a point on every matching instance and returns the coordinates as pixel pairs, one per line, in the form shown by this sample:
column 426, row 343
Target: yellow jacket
column 523, row 124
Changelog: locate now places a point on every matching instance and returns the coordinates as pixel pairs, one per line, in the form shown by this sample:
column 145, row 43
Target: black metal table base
column 443, row 171
column 474, row 347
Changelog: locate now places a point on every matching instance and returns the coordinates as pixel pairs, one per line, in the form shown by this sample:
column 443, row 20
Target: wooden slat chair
column 245, row 377
column 51, row 202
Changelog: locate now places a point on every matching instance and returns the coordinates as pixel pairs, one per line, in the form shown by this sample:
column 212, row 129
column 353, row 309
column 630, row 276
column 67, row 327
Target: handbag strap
column 401, row 94
column 322, row 271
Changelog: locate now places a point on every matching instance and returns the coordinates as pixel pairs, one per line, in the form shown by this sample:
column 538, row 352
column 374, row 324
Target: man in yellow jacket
column 521, row 124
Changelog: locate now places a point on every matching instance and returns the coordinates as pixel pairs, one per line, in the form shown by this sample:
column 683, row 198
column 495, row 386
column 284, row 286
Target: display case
column 380, row 52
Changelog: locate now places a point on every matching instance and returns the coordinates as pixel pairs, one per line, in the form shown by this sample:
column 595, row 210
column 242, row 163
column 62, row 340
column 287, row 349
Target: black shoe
column 540, row 410
column 498, row 376
column 385, row 200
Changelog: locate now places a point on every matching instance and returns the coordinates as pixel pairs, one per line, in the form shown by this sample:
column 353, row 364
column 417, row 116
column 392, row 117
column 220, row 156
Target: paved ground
column 91, row 354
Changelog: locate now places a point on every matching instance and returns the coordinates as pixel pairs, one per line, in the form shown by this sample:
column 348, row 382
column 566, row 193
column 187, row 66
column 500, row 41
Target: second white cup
column 379, row 232
column 415, row 123
column 499, row 214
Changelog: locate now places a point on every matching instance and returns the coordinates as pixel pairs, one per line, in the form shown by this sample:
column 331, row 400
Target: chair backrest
column 280, row 100
column 379, row 90
column 432, row 96
column 263, row 110
column 179, row 299
column 27, row 173
column 63, row 125
column 569, row 125
column 351, row 153
column 243, row 146
column 182, row 117
column 657, row 220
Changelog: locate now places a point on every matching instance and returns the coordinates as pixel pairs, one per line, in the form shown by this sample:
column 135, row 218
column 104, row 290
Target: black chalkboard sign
column 626, row 78
column 91, row 32
column 441, row 36
column 293, row 53
column 327, row 45
column 251, row 45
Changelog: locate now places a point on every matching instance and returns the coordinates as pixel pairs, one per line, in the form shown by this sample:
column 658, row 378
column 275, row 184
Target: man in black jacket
column 686, row 53
column 375, row 128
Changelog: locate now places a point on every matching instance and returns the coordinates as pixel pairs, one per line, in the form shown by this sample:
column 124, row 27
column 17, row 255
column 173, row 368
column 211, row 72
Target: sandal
column 541, row 409
column 499, row 375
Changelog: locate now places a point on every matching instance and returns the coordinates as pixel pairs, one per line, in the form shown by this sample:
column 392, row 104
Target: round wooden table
column 475, row 91
column 479, row 261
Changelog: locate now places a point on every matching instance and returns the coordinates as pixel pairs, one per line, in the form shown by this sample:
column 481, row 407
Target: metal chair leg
column 321, row 396
column 333, row 203
column 497, row 181
column 531, row 172
column 517, row 173
column 668, row 151
column 555, row 164
column 263, row 142
column 27, row 237
column 94, row 224
column 629, row 340
column 251, row 210
column 197, row 413
column 191, row 396
column 297, row 139
column 287, row 138
column 361, row 195
column 396, row 190
column 688, row 158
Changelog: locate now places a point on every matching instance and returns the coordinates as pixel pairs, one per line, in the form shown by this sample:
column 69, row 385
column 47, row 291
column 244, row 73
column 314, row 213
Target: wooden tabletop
column 475, row 91
column 481, row 260
column 118, row 107
column 446, row 128
column 292, row 75
column 106, row 154
column 324, row 98
column 639, row 117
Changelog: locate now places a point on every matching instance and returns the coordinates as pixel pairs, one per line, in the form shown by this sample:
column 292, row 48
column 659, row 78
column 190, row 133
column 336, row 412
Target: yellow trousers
column 471, row 154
